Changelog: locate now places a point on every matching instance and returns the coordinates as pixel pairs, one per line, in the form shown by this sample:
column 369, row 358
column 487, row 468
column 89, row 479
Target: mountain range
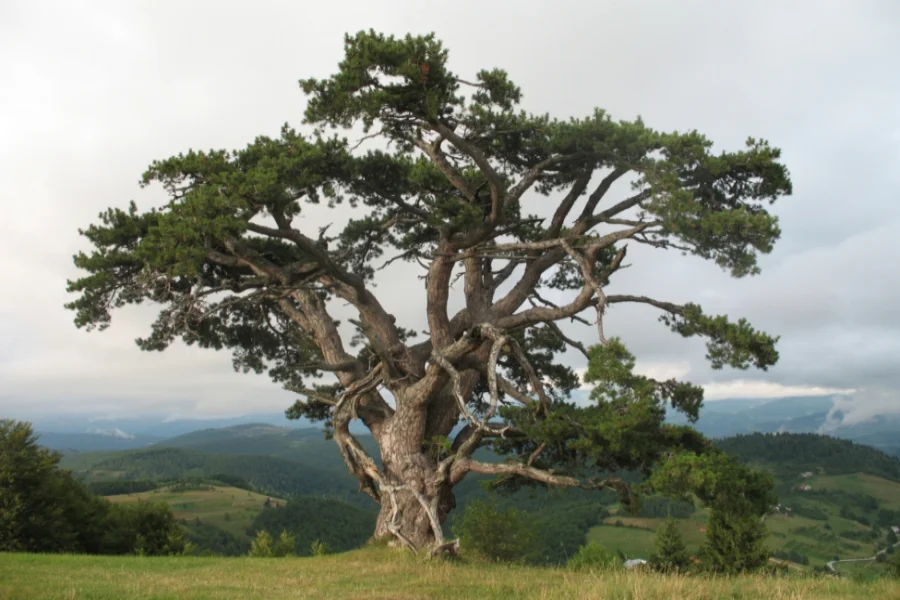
column 718, row 419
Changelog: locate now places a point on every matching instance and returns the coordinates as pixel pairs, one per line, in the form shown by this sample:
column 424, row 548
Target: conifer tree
column 671, row 555
column 520, row 224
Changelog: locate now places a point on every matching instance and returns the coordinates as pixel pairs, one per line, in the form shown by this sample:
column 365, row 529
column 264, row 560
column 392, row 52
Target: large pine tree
column 516, row 208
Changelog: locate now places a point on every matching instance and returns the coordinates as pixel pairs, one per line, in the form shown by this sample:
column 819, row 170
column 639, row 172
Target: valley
column 850, row 498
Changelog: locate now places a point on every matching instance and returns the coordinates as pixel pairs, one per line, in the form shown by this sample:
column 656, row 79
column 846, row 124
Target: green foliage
column 144, row 528
column 319, row 548
column 503, row 535
column 738, row 498
column 893, row 569
column 43, row 509
column 211, row 540
column 594, row 557
column 121, row 486
column 891, row 537
column 262, row 545
column 671, row 555
column 310, row 520
column 285, row 545
column 735, row 543
column 794, row 453
column 265, row 546
column 452, row 182
column 623, row 429
column 276, row 476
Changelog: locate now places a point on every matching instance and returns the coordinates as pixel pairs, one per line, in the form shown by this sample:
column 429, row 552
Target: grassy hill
column 227, row 508
column 374, row 573
column 852, row 494
column 268, row 474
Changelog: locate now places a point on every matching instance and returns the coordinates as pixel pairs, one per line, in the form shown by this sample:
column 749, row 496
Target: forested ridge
column 792, row 453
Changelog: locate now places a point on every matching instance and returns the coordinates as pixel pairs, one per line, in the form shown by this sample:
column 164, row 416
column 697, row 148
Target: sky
column 92, row 92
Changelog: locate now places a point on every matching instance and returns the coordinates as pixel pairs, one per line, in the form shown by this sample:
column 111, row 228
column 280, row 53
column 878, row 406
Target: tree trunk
column 411, row 471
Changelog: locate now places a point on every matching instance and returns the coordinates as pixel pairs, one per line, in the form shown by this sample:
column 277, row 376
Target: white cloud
column 743, row 388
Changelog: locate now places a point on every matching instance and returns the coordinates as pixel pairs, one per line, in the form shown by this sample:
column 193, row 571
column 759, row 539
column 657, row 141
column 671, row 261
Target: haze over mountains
column 718, row 419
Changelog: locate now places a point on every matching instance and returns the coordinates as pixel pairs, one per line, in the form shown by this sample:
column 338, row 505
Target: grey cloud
column 100, row 90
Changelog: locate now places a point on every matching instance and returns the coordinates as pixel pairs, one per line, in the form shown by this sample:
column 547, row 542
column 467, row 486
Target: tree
column 262, row 545
column 891, row 537
column 506, row 535
column 43, row 509
column 466, row 186
column 671, row 554
column 739, row 500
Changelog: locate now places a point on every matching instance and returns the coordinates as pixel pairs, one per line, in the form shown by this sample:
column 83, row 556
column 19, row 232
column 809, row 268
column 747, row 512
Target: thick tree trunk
column 411, row 472
column 411, row 524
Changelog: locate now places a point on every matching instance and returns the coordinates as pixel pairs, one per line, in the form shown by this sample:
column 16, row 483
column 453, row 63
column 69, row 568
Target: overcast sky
column 92, row 92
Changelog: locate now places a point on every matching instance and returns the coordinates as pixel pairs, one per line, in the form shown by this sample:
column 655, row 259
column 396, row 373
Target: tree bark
column 415, row 501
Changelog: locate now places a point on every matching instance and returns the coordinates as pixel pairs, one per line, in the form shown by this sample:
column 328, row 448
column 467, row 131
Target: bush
column 319, row 548
column 593, row 557
column 501, row 535
column 264, row 546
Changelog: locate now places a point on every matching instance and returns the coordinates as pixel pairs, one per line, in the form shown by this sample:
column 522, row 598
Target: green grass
column 885, row 491
column 225, row 507
column 374, row 573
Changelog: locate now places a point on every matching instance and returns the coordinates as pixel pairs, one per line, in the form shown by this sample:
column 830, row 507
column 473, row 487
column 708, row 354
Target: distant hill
column 268, row 474
column 112, row 439
column 308, row 446
column 812, row 414
column 789, row 454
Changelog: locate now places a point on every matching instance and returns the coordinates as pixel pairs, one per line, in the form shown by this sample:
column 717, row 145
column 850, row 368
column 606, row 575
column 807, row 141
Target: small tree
column 262, row 545
column 671, row 554
column 319, row 548
column 285, row 545
column 891, row 537
column 734, row 543
column 504, row 535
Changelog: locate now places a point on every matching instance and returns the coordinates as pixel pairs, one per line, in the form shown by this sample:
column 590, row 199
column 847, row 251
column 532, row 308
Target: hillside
column 230, row 509
column 851, row 495
column 271, row 475
column 793, row 453
column 308, row 446
column 379, row 574
column 812, row 414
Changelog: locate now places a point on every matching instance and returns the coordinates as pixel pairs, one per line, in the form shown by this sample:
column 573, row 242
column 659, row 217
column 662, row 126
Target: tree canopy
column 469, row 190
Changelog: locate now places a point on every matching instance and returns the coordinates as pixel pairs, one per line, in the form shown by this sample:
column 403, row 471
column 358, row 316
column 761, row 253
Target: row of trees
column 44, row 509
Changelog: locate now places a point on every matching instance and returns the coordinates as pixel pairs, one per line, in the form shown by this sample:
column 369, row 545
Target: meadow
column 382, row 574
column 228, row 508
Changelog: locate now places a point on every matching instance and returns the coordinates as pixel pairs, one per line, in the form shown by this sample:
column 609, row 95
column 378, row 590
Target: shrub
column 262, row 546
column 593, row 557
column 319, row 548
column 503, row 535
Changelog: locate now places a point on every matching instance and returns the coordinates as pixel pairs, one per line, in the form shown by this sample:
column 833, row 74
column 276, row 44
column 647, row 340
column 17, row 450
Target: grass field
column 886, row 492
column 374, row 573
column 228, row 508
